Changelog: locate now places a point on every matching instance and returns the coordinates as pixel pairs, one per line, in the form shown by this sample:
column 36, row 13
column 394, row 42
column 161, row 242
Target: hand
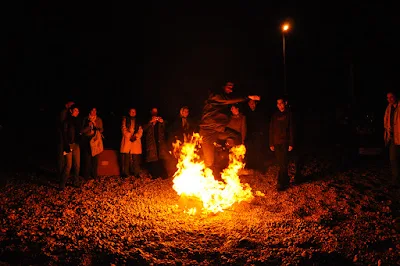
column 272, row 148
column 290, row 148
column 154, row 120
column 254, row 97
column 159, row 119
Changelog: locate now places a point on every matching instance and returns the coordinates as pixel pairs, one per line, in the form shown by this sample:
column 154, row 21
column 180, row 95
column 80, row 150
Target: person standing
column 392, row 134
column 92, row 125
column 60, row 147
column 157, row 155
column 183, row 127
column 131, row 145
column 238, row 123
column 71, row 151
column 256, row 138
column 281, row 140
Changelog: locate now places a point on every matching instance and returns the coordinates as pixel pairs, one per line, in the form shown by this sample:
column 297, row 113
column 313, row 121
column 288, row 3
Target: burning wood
column 194, row 180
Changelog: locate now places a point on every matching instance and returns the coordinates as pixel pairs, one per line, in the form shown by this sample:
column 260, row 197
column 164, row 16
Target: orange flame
column 193, row 179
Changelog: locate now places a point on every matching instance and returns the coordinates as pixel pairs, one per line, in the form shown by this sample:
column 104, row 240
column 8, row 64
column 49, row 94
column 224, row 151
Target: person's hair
column 392, row 92
column 73, row 107
column 282, row 97
column 236, row 106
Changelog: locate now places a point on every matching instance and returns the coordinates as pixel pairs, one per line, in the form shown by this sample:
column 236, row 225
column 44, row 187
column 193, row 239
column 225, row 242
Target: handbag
column 96, row 143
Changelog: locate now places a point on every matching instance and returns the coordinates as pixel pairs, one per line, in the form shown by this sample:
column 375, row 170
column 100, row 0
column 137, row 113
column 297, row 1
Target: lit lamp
column 285, row 28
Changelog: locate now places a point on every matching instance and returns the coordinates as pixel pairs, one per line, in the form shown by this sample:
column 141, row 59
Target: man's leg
column 394, row 161
column 208, row 147
column 60, row 159
column 76, row 160
column 67, row 170
column 282, row 158
column 232, row 134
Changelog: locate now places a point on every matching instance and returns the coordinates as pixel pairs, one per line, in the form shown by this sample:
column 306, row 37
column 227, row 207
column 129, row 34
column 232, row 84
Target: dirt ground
column 327, row 218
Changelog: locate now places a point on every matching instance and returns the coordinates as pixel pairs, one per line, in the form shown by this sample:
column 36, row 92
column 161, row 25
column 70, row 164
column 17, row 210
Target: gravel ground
column 347, row 218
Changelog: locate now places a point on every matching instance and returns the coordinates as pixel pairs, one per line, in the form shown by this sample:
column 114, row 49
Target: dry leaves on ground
column 341, row 219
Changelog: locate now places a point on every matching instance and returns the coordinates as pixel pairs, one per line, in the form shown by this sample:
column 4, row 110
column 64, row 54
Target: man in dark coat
column 215, row 119
column 281, row 140
column 60, row 147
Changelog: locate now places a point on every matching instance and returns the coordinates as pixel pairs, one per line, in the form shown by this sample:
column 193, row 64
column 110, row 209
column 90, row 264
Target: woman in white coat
column 131, row 145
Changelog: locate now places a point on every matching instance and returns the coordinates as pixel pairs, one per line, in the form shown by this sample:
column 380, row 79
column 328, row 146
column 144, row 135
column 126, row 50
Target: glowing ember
column 193, row 179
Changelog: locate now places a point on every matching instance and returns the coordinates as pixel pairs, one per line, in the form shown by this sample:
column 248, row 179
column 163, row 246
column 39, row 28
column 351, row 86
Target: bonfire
column 194, row 180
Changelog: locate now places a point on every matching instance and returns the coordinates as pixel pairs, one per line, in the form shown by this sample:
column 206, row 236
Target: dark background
column 163, row 54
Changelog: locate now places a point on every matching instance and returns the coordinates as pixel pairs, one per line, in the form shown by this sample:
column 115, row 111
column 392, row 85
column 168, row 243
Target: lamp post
column 285, row 28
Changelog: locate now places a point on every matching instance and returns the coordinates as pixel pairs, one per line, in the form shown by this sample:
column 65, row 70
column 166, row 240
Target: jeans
column 60, row 159
column 72, row 158
column 281, row 153
column 211, row 136
column 394, row 156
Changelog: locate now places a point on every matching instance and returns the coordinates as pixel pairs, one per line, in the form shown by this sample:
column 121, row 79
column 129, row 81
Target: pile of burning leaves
column 335, row 219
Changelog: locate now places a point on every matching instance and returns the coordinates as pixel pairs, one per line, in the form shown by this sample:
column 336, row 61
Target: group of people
column 222, row 119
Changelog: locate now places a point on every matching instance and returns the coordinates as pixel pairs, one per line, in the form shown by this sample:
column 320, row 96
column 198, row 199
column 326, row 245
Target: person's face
column 132, row 112
column 228, row 87
column 75, row 112
column 391, row 98
column 154, row 112
column 234, row 110
column 252, row 104
column 93, row 112
column 281, row 105
column 185, row 113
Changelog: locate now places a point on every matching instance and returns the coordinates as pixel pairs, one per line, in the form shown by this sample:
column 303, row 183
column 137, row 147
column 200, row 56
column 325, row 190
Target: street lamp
column 285, row 28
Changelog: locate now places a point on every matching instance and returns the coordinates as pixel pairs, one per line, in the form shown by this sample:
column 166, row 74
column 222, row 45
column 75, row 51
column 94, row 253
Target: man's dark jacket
column 214, row 116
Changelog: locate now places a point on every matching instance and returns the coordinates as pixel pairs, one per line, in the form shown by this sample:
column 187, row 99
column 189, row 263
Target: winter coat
column 131, row 130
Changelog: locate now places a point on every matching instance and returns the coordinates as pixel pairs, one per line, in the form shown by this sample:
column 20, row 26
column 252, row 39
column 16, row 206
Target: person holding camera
column 131, row 145
column 157, row 155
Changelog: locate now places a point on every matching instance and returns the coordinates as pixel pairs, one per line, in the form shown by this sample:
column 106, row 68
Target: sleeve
column 218, row 99
column 85, row 127
column 99, row 125
column 139, row 132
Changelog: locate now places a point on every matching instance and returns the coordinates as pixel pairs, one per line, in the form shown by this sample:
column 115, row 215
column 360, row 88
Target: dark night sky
column 170, row 55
